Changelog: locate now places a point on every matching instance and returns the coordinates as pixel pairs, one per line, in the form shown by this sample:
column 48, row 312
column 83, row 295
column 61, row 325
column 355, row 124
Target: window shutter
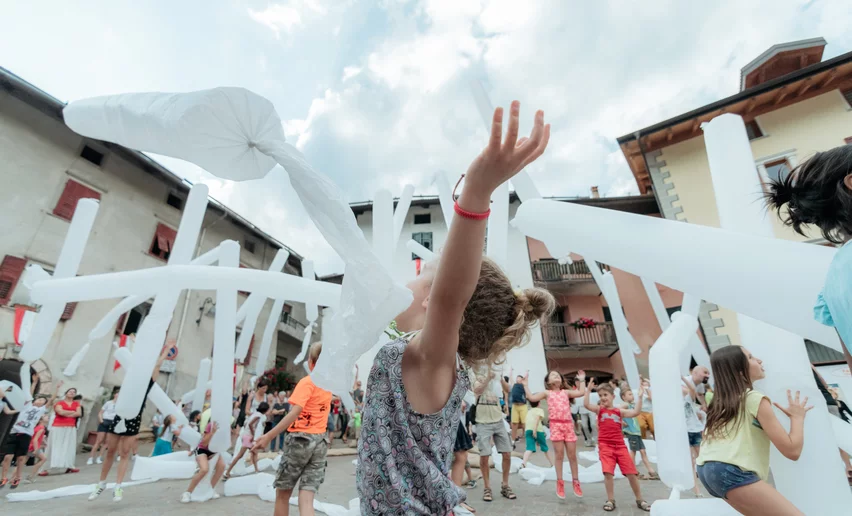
column 10, row 272
column 72, row 193
column 69, row 311
column 165, row 238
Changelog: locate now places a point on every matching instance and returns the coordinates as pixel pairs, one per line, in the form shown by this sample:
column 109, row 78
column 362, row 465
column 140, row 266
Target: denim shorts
column 694, row 438
column 720, row 477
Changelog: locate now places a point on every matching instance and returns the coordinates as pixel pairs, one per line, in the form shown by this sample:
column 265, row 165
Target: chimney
column 595, row 193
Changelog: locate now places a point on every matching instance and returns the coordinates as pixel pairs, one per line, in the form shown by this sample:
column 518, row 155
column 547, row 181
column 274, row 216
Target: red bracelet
column 469, row 214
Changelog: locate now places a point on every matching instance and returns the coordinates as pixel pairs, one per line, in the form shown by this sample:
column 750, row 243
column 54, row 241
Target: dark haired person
column 819, row 193
column 733, row 463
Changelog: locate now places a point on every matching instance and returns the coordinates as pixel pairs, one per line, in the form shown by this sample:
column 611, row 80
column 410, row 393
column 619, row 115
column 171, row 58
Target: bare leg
column 7, row 463
column 457, row 469
column 126, row 447
column 235, row 461
column 559, row 449
column 203, row 467
column 468, row 470
column 694, row 453
column 645, row 461
column 486, row 473
column 306, row 503
column 527, row 457
column 550, row 458
column 112, row 450
column 19, row 466
column 99, row 443
column 571, row 451
column 761, row 499
column 217, row 473
column 507, row 464
column 282, row 503
column 634, row 485
column 42, row 458
column 610, row 492
column 253, row 456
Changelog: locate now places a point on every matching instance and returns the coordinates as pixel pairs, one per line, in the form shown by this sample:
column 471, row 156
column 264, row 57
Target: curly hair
column 498, row 318
column 815, row 193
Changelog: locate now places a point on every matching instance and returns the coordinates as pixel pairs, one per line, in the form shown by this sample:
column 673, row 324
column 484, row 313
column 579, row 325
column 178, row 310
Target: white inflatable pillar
column 200, row 383
column 225, row 328
column 401, row 212
column 250, row 310
column 498, row 227
column 816, row 483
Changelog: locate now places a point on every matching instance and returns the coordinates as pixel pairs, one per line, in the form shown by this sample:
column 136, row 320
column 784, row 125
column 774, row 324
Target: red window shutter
column 164, row 241
column 69, row 311
column 10, row 272
column 120, row 326
column 73, row 192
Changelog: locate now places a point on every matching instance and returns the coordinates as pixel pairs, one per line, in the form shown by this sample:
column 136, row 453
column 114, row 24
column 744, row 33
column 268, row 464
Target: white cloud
column 286, row 16
column 350, row 72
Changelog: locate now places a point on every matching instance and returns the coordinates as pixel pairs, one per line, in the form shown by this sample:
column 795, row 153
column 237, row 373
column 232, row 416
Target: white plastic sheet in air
column 816, row 483
column 383, row 230
column 445, row 196
column 14, row 394
column 66, row 267
column 76, row 360
column 674, row 462
column 311, row 309
column 401, row 212
column 692, row 258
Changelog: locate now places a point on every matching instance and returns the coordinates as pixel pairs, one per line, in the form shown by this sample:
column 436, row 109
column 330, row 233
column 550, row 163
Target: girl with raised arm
column 465, row 313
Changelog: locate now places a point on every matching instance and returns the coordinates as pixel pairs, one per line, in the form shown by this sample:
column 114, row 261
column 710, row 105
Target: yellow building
column 793, row 103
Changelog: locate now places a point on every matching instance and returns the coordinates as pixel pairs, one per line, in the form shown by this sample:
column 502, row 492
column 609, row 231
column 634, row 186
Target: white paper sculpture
column 236, row 134
column 15, row 396
column 224, row 332
column 401, row 212
column 626, row 343
column 76, row 360
column 383, row 230
column 81, row 489
column 445, row 196
column 249, row 311
column 816, row 483
column 200, row 391
column 26, row 381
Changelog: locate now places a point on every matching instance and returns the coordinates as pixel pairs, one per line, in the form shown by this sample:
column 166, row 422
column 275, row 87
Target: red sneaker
column 72, row 470
column 577, row 491
column 3, row 482
column 42, row 473
column 560, row 489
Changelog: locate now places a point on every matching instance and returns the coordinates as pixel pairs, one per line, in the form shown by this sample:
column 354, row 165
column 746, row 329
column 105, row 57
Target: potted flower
column 584, row 323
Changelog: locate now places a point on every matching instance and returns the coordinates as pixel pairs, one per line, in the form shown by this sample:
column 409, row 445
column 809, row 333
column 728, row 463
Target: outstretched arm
column 355, row 383
column 789, row 444
column 581, row 381
column 635, row 411
column 589, row 406
column 162, row 358
column 532, row 396
column 434, row 350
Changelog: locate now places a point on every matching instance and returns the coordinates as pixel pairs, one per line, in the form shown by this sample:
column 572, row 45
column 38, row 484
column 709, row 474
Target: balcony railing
column 550, row 271
column 562, row 335
column 292, row 322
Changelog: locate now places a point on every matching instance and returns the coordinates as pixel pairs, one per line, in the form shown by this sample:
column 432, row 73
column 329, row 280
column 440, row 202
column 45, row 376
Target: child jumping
column 734, row 460
column 534, row 433
column 465, row 313
column 561, row 424
column 202, row 457
column 306, row 444
column 633, row 433
column 611, row 446
column 17, row 444
column 249, row 435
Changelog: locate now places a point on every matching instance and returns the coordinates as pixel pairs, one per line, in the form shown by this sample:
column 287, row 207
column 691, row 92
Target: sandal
column 467, row 507
column 654, row 476
column 486, row 495
column 15, row 483
column 471, row 484
column 609, row 506
column 642, row 504
column 506, row 491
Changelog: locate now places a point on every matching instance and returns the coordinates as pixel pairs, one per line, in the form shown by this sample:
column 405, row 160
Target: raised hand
column 581, row 376
column 795, row 408
column 526, row 379
column 505, row 157
column 591, row 383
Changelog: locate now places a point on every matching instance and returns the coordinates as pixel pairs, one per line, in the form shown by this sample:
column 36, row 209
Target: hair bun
column 536, row 304
column 778, row 193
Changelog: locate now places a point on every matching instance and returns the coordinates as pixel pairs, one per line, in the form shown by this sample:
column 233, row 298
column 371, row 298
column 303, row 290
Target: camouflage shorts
column 304, row 459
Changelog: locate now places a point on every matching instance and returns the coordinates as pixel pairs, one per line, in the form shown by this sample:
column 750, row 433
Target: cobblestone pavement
column 163, row 497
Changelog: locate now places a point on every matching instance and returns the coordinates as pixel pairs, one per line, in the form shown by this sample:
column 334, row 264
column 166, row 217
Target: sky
column 377, row 93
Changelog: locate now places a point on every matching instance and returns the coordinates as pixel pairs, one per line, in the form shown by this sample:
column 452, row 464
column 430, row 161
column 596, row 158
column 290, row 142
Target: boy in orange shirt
column 306, row 443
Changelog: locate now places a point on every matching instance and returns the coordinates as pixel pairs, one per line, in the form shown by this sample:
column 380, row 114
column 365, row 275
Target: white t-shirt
column 109, row 410
column 168, row 434
column 594, row 399
column 258, row 429
column 691, row 409
column 28, row 419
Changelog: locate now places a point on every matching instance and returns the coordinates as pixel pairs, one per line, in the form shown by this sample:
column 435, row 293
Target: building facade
column 46, row 169
column 567, row 349
column 793, row 104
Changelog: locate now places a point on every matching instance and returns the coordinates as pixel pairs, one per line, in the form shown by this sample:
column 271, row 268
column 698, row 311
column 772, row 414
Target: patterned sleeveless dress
column 404, row 457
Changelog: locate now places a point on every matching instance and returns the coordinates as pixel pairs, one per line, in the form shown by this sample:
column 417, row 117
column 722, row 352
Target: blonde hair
column 314, row 352
column 497, row 318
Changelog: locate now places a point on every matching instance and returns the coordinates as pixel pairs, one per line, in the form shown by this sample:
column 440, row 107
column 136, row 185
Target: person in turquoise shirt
column 634, row 434
column 818, row 193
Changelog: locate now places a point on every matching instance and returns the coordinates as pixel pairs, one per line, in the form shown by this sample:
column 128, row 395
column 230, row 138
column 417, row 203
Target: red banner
column 19, row 319
column 122, row 342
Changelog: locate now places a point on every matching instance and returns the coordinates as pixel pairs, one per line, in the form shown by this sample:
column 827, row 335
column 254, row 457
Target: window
column 422, row 218
column 753, row 130
column 10, row 272
column 672, row 310
column 92, row 156
column 777, row 170
column 847, row 94
column 72, row 193
column 164, row 240
column 424, row 239
column 249, row 246
column 607, row 314
column 175, row 200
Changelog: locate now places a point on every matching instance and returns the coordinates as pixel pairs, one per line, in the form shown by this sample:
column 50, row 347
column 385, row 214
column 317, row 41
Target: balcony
column 561, row 340
column 573, row 278
column 292, row 326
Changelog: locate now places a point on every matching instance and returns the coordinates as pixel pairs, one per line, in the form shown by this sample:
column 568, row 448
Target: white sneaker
column 186, row 497
column 89, row 462
column 117, row 494
column 215, row 495
column 100, row 460
column 99, row 488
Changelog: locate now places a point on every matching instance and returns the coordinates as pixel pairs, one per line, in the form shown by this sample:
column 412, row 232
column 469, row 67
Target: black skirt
column 463, row 442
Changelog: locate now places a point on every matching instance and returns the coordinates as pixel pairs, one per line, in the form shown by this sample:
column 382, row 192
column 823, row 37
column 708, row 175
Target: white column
column 815, row 483
column 224, row 336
